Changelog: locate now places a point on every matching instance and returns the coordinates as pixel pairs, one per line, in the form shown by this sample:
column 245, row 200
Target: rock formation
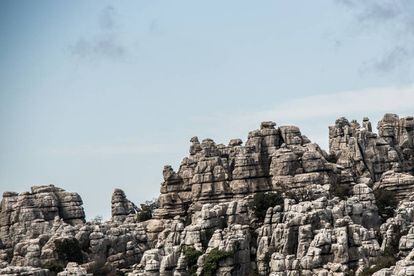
column 121, row 206
column 322, row 213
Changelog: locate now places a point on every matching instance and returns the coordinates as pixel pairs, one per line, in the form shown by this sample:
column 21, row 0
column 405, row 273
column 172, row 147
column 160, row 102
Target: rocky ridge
column 329, row 219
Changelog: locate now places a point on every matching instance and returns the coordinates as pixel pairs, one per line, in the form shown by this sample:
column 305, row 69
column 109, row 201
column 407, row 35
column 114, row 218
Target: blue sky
column 97, row 95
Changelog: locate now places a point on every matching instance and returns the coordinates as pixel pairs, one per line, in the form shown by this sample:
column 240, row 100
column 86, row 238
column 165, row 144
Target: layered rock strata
column 327, row 223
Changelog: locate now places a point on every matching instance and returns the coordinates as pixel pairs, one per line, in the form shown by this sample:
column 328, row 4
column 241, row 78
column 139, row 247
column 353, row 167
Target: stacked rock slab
column 362, row 152
column 121, row 207
column 320, row 236
column 36, row 224
column 267, row 161
column 32, row 213
column 402, row 184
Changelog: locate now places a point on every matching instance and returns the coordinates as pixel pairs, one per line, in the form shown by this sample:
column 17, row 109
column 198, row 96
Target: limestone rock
column 121, row 206
column 327, row 224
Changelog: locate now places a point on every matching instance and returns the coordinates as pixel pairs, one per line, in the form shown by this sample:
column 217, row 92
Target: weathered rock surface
column 328, row 222
column 121, row 207
column 31, row 214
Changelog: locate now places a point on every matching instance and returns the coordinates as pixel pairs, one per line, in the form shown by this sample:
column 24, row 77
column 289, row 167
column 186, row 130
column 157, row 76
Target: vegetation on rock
column 386, row 203
column 145, row 212
column 211, row 261
column 299, row 195
column 69, row 250
column 191, row 255
column 263, row 201
column 342, row 191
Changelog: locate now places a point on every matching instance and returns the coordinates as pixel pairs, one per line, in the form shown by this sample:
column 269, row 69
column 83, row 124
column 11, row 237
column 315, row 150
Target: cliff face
column 272, row 159
column 329, row 219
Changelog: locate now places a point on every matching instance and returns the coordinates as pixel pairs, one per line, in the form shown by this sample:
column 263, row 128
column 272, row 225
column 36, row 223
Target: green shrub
column 191, row 256
column 386, row 203
column 69, row 250
column 97, row 220
column 342, row 191
column 302, row 194
column 263, row 201
column 145, row 212
column 211, row 262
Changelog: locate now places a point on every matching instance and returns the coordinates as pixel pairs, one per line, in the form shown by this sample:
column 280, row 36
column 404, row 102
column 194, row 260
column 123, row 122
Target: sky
column 97, row 95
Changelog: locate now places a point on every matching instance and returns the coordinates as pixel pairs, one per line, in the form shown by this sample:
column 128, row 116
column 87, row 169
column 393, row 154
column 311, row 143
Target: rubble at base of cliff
column 275, row 205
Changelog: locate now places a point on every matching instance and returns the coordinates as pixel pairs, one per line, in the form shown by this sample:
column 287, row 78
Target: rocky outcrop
column 320, row 236
column 74, row 269
column 271, row 159
column 400, row 183
column 31, row 214
column 329, row 219
column 362, row 152
column 121, row 207
column 27, row 271
column 38, row 227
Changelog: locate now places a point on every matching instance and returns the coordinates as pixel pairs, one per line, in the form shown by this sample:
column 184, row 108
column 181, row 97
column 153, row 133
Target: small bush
column 145, row 212
column 341, row 190
column 211, row 262
column 302, row 194
column 386, row 203
column 97, row 220
column 263, row 201
column 191, row 256
column 69, row 250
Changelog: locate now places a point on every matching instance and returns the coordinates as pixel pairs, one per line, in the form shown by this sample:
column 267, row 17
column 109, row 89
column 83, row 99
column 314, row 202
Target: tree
column 386, row 203
column 263, row 201
column 146, row 210
column 97, row 220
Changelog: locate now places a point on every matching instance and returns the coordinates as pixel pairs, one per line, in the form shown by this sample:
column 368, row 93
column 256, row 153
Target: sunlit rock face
column 328, row 219
column 32, row 213
column 362, row 152
column 121, row 207
column 273, row 158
